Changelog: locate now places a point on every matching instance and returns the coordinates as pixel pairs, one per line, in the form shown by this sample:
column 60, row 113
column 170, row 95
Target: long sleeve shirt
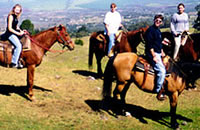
column 153, row 40
column 179, row 23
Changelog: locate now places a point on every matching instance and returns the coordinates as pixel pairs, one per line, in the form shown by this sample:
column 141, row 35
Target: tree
column 26, row 24
column 82, row 31
column 197, row 21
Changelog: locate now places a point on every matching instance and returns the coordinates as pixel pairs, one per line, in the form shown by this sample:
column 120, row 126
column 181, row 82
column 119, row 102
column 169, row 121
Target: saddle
column 6, row 48
column 6, row 45
column 143, row 66
column 104, row 38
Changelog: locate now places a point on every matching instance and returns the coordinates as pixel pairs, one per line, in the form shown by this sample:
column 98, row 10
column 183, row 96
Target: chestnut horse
column 128, row 43
column 122, row 66
column 40, row 44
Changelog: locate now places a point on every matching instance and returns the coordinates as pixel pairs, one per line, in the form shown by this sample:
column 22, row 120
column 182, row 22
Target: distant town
column 92, row 19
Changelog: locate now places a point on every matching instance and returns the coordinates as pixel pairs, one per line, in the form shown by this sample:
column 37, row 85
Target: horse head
column 64, row 38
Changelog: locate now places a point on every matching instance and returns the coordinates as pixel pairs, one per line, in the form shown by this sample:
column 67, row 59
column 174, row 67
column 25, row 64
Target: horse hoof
column 32, row 98
column 127, row 114
column 176, row 126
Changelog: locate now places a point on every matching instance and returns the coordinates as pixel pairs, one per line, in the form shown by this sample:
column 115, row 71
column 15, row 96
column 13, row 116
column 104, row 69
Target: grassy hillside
column 68, row 98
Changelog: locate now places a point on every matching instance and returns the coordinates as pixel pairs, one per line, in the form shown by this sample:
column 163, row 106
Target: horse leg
column 173, row 104
column 30, row 78
column 119, row 95
column 99, row 70
column 120, row 92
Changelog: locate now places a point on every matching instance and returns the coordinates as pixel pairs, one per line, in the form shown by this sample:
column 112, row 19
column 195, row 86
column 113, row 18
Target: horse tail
column 91, row 50
column 108, row 78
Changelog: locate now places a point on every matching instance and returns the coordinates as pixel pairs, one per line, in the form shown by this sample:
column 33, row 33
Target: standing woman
column 179, row 24
column 13, row 34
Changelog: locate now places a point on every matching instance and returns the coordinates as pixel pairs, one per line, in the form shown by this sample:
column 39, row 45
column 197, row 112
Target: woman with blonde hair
column 14, row 33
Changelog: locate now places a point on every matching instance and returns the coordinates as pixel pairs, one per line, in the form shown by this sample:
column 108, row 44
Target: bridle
column 142, row 37
column 58, row 36
column 65, row 43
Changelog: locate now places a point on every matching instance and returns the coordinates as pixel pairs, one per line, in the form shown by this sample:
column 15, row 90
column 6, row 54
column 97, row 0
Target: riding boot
column 161, row 96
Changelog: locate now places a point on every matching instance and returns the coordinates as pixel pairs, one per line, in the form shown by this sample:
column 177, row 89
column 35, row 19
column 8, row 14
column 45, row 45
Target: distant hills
column 90, row 4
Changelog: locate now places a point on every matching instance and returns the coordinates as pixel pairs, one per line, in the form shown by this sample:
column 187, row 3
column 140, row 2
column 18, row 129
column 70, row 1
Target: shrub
column 79, row 42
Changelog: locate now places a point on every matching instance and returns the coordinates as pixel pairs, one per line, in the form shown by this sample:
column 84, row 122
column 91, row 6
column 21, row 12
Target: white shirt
column 113, row 21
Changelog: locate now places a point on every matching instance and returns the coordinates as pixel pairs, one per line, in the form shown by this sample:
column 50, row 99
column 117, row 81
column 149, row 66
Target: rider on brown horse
column 13, row 34
column 112, row 23
column 154, row 53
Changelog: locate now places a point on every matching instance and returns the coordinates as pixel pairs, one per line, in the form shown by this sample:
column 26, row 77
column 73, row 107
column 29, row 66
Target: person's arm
column 106, row 27
column 10, row 20
column 187, row 24
column 172, row 25
column 162, row 53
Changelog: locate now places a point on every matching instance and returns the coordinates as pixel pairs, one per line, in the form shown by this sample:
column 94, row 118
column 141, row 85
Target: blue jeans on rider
column 111, row 42
column 160, row 71
column 17, row 48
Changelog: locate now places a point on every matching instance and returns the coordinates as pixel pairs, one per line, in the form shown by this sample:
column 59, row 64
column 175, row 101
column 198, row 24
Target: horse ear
column 141, row 30
column 60, row 27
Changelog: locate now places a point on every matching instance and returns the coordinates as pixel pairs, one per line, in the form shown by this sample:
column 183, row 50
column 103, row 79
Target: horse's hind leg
column 119, row 96
column 120, row 91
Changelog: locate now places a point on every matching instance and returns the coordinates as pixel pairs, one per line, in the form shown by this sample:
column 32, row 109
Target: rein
column 142, row 38
column 178, row 67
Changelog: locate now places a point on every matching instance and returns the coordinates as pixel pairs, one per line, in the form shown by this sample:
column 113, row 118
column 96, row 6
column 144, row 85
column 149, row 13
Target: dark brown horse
column 41, row 43
column 122, row 66
column 188, row 55
column 128, row 43
column 190, row 52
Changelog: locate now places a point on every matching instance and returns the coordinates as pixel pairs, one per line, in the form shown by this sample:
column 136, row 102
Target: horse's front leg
column 173, row 104
column 30, row 78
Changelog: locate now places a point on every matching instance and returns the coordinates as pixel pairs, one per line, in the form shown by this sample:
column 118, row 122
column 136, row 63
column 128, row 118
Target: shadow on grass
column 20, row 90
column 140, row 113
column 86, row 73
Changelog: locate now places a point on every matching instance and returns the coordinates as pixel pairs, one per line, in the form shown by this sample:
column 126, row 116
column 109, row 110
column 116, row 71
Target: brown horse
column 41, row 43
column 128, row 43
column 122, row 66
column 190, row 52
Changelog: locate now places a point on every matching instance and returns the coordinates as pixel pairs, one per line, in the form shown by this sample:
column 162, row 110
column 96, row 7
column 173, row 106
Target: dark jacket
column 153, row 40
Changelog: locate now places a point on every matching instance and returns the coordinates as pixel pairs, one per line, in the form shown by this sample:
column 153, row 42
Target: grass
column 67, row 98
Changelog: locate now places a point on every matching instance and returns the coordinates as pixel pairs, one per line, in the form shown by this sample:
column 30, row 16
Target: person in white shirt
column 112, row 23
column 179, row 23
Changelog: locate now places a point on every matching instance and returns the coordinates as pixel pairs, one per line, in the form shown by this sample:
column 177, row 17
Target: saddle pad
column 140, row 66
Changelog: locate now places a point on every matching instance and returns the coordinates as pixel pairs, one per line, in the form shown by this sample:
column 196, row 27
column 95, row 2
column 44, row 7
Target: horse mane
column 176, row 70
column 43, row 32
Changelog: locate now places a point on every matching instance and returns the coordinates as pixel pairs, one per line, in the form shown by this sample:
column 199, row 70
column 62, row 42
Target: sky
column 95, row 4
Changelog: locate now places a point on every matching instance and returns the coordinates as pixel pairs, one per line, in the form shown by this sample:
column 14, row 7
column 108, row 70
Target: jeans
column 160, row 71
column 111, row 42
column 17, row 48
column 177, row 46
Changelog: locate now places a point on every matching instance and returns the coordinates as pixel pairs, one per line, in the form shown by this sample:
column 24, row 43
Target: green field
column 68, row 98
